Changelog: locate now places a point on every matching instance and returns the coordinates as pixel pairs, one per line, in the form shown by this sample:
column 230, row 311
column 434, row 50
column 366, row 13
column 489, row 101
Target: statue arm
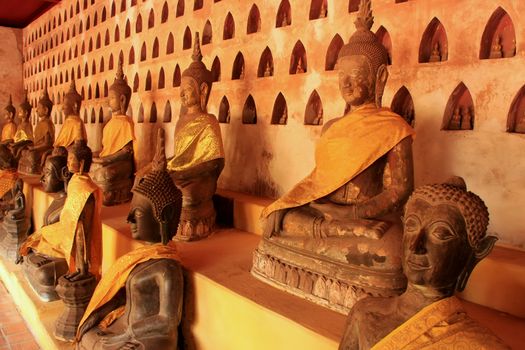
column 395, row 194
column 99, row 314
column 350, row 340
column 45, row 144
column 211, row 166
column 83, row 240
column 124, row 153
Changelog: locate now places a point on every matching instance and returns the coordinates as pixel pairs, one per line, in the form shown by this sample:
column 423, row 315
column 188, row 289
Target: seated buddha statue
column 199, row 154
column 24, row 132
column 9, row 128
column 73, row 128
column 42, row 271
column 15, row 224
column 138, row 302
column 8, row 178
column 114, row 168
column 334, row 237
column 444, row 238
column 33, row 157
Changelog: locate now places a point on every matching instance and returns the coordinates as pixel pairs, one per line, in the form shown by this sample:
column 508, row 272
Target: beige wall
column 10, row 67
column 267, row 159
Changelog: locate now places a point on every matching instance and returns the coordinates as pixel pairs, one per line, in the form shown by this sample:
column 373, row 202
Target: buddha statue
column 299, row 69
column 73, row 128
column 42, row 271
column 455, row 120
column 9, row 128
column 334, row 237
column 323, row 11
column 8, row 178
column 199, row 154
column 444, row 238
column 33, row 157
column 435, row 55
column 15, row 225
column 496, row 50
column 114, row 168
column 24, row 132
column 268, row 69
column 466, row 118
column 284, row 117
column 138, row 303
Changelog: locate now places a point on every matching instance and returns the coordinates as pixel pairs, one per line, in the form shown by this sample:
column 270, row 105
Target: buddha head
column 119, row 93
column 156, row 204
column 79, row 157
column 24, row 111
column 10, row 111
column 196, row 81
column 55, row 173
column 7, row 161
column 362, row 63
column 444, row 236
column 45, row 105
column 72, row 100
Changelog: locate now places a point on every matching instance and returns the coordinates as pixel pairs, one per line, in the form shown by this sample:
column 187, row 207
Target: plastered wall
column 10, row 67
column 267, row 159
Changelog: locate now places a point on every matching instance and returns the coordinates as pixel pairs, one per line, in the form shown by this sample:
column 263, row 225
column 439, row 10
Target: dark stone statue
column 138, row 302
column 444, row 238
column 15, row 225
column 24, row 132
column 334, row 238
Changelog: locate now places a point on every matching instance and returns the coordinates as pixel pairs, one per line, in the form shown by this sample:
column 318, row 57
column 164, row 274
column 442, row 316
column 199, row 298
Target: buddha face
column 355, row 80
column 42, row 111
column 143, row 224
column 23, row 114
column 189, row 92
column 8, row 116
column 73, row 163
column 117, row 101
column 50, row 178
column 435, row 245
column 70, row 107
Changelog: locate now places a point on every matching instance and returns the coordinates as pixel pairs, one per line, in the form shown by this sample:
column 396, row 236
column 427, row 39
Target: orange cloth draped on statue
column 7, row 181
column 57, row 240
column 347, row 147
column 115, row 277
column 117, row 133
column 72, row 130
column 441, row 325
column 9, row 131
column 24, row 132
column 43, row 127
column 197, row 142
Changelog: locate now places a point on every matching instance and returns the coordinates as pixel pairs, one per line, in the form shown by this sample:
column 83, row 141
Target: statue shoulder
column 329, row 123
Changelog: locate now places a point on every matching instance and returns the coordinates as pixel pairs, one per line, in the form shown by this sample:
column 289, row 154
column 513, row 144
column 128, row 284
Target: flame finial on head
column 159, row 160
column 364, row 19
column 10, row 108
column 197, row 55
column 120, row 71
column 25, row 105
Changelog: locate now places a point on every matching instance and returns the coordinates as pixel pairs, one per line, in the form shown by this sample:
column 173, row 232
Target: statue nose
column 418, row 245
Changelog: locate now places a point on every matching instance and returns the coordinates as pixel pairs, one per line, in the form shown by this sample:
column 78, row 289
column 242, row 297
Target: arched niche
column 106, row 89
column 138, row 24
column 298, row 62
column 313, row 114
column 98, row 42
column 153, row 113
column 249, row 111
column 197, row 5
column 224, row 110
column 101, row 65
column 459, row 112
column 131, row 56
column 136, row 83
column 318, row 9
column 167, row 113
column 106, row 39
column 499, row 36
column 434, row 43
column 186, row 41
column 147, row 86
column 97, row 91
column 127, row 30
column 384, row 38
column 403, row 105
column 110, row 63
column 162, row 80
column 140, row 116
column 180, row 9
column 151, row 19
column 176, row 76
column 170, row 45
column 516, row 116
column 85, row 116
column 284, row 14
column 254, row 20
column 229, row 27
column 143, row 52
column 123, row 6
column 280, row 110
column 207, row 33
column 333, row 52
column 155, row 51
column 101, row 115
column 165, row 13
column 238, row 67
column 93, row 118
column 265, row 68
column 216, row 69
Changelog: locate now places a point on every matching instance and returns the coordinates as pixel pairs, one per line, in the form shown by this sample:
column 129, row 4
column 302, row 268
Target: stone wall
column 10, row 67
column 268, row 158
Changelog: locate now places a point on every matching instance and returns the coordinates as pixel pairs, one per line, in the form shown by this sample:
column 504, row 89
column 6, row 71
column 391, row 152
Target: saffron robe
column 72, row 130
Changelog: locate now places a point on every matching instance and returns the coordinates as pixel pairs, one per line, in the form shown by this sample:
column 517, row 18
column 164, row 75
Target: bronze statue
column 15, row 225
column 138, row 302
column 113, row 171
column 199, row 154
column 73, row 128
column 334, row 238
column 43, row 271
column 444, row 238
column 33, row 157
column 8, row 178
column 24, row 132
column 9, row 128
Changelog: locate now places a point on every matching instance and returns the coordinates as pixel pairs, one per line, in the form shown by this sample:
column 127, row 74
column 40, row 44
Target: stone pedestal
column 14, row 233
column 76, row 296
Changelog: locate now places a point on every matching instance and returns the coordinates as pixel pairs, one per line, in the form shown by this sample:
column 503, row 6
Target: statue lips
column 418, row 262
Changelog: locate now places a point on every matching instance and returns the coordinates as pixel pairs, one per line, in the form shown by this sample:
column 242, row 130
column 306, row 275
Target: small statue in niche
column 345, row 215
column 323, row 11
column 284, row 116
column 138, row 303
column 511, row 52
column 466, row 118
column 444, row 238
column 268, row 69
column 496, row 50
column 299, row 69
column 73, row 128
column 15, row 225
column 520, row 123
column 241, row 74
column 455, row 120
column 43, row 271
column 228, row 116
column 9, row 129
column 319, row 118
column 435, row 55
column 113, row 171
column 24, row 132
column 33, row 157
column 199, row 154
column 285, row 22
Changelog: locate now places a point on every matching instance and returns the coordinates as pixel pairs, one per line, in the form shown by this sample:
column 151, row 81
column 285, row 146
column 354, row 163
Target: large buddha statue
column 199, row 154
column 73, row 128
column 444, row 238
column 334, row 237
column 33, row 157
column 15, row 224
column 138, row 302
column 9, row 128
column 24, row 132
column 8, row 178
column 42, row 271
column 114, row 169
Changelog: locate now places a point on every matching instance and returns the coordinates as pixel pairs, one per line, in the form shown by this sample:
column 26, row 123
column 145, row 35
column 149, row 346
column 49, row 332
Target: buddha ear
column 204, row 89
column 122, row 100
column 66, row 175
column 481, row 251
column 381, row 78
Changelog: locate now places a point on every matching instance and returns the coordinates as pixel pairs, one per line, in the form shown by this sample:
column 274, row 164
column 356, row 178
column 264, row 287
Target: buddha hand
column 336, row 212
column 274, row 223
